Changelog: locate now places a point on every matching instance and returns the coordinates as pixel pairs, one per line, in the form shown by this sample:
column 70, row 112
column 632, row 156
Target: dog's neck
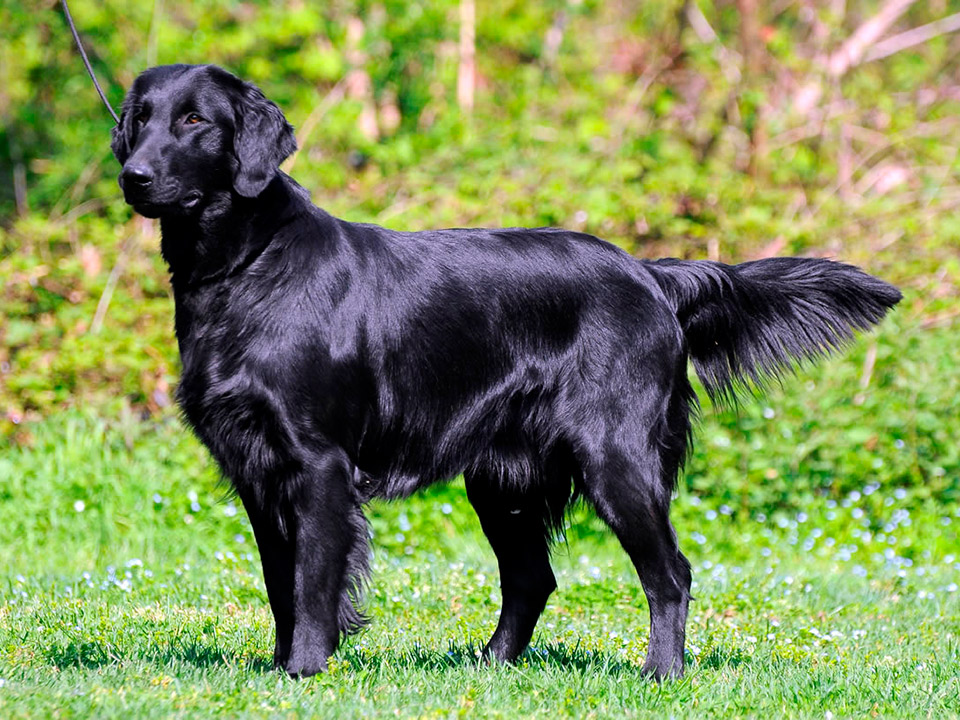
column 227, row 234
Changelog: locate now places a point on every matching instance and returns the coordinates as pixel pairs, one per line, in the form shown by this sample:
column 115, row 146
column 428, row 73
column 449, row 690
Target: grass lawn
column 130, row 584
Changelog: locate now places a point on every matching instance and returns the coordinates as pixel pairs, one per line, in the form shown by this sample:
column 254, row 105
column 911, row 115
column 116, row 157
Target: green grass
column 130, row 585
column 796, row 641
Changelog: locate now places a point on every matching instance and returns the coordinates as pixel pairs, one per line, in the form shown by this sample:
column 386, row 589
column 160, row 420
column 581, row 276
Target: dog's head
column 190, row 132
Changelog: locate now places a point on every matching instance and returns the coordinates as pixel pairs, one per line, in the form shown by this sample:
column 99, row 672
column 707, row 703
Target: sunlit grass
column 130, row 587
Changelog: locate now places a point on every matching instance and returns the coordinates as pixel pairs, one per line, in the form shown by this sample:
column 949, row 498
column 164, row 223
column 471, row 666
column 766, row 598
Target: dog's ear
column 262, row 140
column 122, row 134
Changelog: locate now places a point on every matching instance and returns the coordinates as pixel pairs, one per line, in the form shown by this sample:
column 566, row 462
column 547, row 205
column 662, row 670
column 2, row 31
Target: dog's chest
column 246, row 429
column 266, row 400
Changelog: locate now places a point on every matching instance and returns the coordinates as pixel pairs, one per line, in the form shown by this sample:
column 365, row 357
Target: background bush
column 669, row 128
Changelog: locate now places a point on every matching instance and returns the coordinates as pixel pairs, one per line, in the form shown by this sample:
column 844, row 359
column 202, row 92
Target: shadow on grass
column 200, row 654
column 459, row 655
column 722, row 657
column 467, row 655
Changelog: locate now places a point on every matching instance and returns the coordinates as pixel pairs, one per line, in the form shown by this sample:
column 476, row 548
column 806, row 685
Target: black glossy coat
column 327, row 362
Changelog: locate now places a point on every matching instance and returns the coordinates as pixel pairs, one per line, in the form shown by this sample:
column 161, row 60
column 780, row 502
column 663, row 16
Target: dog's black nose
column 139, row 176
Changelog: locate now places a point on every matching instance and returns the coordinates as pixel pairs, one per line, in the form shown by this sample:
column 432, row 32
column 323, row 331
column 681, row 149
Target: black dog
column 327, row 362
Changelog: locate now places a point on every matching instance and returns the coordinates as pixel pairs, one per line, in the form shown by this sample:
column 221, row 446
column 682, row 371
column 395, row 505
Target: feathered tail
column 754, row 320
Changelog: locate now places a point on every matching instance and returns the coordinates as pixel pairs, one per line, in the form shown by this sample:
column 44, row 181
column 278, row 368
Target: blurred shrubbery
column 671, row 128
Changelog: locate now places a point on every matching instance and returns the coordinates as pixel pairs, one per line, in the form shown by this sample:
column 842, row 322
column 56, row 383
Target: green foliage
column 566, row 140
column 822, row 433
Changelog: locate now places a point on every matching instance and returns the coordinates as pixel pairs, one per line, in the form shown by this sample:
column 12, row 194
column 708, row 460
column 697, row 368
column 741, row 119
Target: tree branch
column 851, row 52
column 913, row 37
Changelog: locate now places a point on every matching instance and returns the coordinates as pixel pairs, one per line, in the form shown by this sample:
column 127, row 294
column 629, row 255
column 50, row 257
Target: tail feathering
column 746, row 323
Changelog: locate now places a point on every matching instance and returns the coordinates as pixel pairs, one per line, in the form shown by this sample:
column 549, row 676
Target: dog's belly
column 515, row 452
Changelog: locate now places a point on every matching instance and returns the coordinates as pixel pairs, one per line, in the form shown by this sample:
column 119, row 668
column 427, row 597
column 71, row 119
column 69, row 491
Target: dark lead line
column 83, row 54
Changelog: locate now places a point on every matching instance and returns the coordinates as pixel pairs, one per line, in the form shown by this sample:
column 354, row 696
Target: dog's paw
column 658, row 672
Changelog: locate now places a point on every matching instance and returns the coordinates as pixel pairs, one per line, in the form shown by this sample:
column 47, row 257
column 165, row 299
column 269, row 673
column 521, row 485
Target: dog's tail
column 746, row 322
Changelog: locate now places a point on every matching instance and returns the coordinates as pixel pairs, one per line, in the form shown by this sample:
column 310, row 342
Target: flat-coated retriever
column 327, row 362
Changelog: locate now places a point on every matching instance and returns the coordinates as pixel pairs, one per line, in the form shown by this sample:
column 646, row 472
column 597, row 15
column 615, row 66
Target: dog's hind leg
column 631, row 493
column 517, row 527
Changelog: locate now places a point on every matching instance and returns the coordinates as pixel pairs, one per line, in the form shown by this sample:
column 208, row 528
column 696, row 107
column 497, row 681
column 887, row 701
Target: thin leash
column 83, row 54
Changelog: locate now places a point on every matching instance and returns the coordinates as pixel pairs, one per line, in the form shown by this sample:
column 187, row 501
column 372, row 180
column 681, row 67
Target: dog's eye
column 141, row 119
column 192, row 119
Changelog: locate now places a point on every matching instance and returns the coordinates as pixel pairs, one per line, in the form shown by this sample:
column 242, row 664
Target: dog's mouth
column 153, row 209
column 156, row 199
column 191, row 200
column 148, row 210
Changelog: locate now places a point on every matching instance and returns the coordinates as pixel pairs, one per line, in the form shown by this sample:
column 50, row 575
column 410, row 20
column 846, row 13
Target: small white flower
column 79, row 506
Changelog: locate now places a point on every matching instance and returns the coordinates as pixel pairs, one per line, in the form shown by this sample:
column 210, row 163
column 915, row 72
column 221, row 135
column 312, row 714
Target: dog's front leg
column 277, row 559
column 307, row 534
